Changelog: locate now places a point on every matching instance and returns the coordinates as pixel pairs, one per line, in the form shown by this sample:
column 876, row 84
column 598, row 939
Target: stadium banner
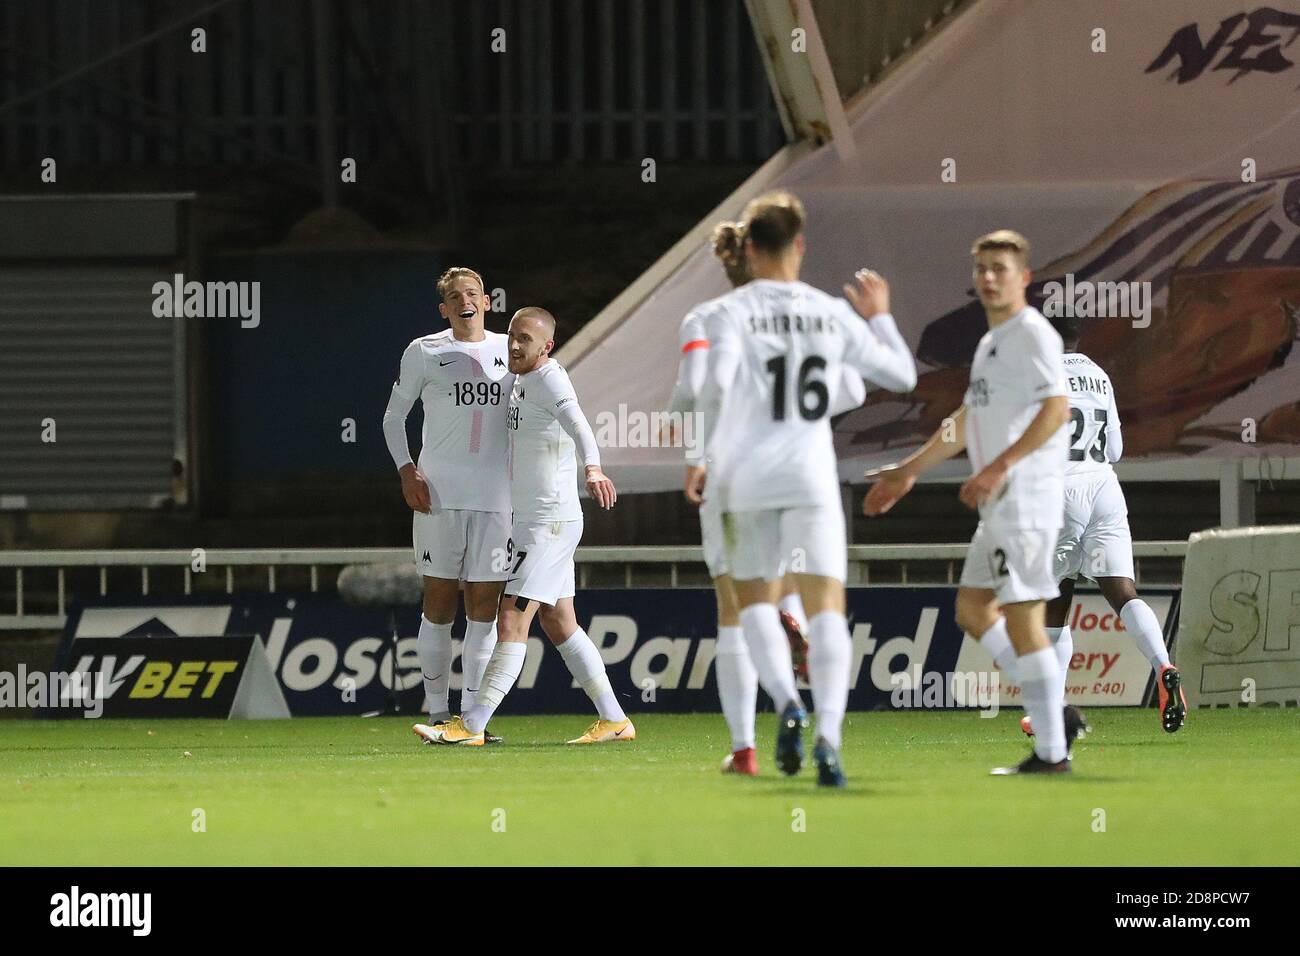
column 216, row 676
column 1106, row 668
column 331, row 658
column 1239, row 630
column 1143, row 225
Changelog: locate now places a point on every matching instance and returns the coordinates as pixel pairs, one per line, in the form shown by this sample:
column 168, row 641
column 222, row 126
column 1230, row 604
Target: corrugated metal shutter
column 79, row 345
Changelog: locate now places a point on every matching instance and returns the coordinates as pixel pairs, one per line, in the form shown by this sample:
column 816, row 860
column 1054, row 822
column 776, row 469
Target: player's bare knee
column 975, row 616
column 435, row 612
column 1118, row 592
column 728, row 612
column 508, row 620
column 820, row 593
column 557, row 622
column 1058, row 609
column 482, row 599
column 439, row 603
column 552, row 629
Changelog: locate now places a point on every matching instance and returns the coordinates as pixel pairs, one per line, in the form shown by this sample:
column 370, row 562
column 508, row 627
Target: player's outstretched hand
column 696, row 476
column 868, row 292
column 415, row 489
column 600, row 488
column 892, row 482
column 979, row 488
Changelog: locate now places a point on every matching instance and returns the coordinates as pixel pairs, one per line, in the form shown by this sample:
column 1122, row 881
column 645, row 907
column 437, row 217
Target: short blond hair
column 1002, row 240
column 454, row 273
column 541, row 315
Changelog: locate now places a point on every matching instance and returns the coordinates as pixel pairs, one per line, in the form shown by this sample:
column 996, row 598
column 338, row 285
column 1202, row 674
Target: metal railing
column 906, row 564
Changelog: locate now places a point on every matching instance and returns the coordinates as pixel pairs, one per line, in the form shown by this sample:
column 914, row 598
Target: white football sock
column 770, row 652
column 1040, row 682
column 433, row 647
column 583, row 660
column 829, row 650
column 737, row 686
column 1141, row 622
column 480, row 638
column 500, row 675
column 792, row 604
column 996, row 641
column 1063, row 641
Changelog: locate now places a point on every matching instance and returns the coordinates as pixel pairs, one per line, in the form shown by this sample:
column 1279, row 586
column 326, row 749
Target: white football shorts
column 541, row 560
column 461, row 545
column 1014, row 562
column 1096, row 541
column 767, row 544
column 715, row 546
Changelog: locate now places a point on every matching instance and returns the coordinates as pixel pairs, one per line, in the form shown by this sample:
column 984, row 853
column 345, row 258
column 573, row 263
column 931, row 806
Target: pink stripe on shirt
column 476, row 419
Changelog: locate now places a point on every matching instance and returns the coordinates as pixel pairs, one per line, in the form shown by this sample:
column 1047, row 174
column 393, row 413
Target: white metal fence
column 36, row 589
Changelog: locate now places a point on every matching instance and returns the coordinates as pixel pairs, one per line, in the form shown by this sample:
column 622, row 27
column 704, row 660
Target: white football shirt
column 1095, row 439
column 1016, row 366
column 543, row 465
column 777, row 353
column 848, row 392
column 465, row 387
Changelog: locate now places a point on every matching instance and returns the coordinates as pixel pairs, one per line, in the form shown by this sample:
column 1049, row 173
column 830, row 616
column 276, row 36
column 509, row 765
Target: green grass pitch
column 366, row 792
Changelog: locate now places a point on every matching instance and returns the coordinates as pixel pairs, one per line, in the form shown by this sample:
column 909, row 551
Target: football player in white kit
column 1012, row 426
column 545, row 426
column 1095, row 540
column 776, row 347
column 459, row 491
column 737, row 679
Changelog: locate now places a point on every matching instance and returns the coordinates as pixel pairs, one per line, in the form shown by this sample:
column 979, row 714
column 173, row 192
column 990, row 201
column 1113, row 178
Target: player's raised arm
column 877, row 350
column 410, row 379
column 896, row 480
column 563, row 402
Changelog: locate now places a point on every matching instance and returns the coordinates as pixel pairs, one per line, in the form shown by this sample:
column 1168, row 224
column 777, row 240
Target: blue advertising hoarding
column 658, row 646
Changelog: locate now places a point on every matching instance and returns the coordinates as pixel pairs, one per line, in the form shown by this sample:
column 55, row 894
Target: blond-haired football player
column 777, row 347
column 737, row 679
column 548, row 432
column 458, row 492
column 1012, row 426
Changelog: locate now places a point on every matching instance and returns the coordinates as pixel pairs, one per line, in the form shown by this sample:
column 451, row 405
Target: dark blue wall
column 333, row 327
